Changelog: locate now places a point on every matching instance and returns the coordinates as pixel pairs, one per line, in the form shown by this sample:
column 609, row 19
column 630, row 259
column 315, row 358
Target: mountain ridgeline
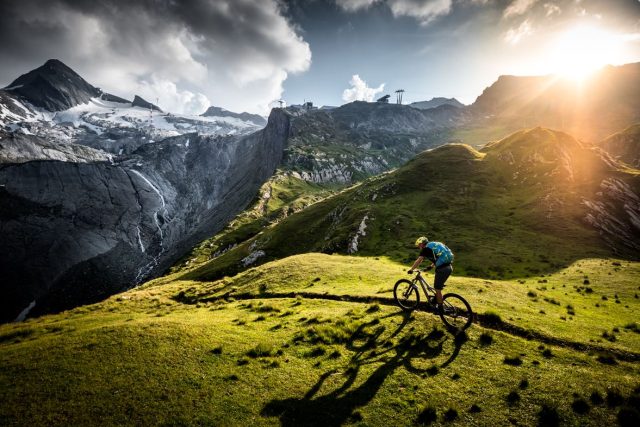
column 604, row 103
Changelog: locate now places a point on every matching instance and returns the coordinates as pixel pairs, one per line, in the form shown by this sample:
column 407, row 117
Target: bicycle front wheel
column 406, row 295
column 456, row 312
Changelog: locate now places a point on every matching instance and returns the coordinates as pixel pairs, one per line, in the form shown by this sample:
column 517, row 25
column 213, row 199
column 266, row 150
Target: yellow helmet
column 420, row 240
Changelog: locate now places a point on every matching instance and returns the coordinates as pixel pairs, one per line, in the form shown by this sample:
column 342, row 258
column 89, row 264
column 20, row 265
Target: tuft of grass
column 513, row 361
column 607, row 359
column 450, row 415
column 427, row 416
column 614, row 398
column 596, row 398
column 260, row 350
column 548, row 416
column 524, row 384
column 485, row 339
column 216, row 350
column 513, row 397
column 580, row 406
column 547, row 353
column 474, row 409
column 317, row 351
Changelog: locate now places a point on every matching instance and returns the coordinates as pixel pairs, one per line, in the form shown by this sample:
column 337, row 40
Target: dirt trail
column 488, row 322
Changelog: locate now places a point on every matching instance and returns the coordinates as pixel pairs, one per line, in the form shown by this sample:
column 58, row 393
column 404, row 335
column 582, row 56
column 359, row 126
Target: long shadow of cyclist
column 371, row 346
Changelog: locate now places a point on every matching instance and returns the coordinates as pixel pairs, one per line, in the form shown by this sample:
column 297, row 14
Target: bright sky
column 244, row 54
column 455, row 50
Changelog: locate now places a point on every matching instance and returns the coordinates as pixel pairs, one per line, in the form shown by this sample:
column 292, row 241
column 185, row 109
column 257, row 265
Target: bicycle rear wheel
column 406, row 295
column 456, row 312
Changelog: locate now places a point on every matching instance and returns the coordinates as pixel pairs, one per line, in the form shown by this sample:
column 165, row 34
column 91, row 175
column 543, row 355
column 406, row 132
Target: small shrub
column 475, row 409
column 547, row 353
column 455, row 376
column 586, row 282
column 513, row 398
column 260, row 318
column 216, row 350
column 513, row 361
column 427, row 416
column 450, row 415
column 548, row 416
column 580, row 406
column 532, row 294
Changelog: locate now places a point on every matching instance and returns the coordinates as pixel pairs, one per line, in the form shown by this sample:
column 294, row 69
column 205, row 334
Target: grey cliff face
column 74, row 233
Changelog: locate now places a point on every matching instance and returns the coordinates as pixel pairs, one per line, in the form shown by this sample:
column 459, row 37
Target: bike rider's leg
column 439, row 296
column 442, row 274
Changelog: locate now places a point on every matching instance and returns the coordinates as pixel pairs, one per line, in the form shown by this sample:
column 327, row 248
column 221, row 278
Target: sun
column 580, row 51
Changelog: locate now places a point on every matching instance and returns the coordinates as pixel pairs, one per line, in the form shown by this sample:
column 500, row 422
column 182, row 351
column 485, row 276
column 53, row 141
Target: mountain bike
column 455, row 311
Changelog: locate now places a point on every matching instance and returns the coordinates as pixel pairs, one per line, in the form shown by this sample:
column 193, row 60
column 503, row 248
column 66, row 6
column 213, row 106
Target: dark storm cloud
column 205, row 46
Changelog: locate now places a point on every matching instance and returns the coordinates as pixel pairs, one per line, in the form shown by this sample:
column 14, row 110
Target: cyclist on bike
column 440, row 256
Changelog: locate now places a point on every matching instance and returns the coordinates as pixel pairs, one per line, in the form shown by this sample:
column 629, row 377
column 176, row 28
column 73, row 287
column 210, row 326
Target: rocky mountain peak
column 53, row 86
column 436, row 102
column 248, row 117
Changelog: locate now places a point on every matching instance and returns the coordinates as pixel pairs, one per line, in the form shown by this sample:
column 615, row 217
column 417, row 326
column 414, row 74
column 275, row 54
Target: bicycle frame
column 424, row 284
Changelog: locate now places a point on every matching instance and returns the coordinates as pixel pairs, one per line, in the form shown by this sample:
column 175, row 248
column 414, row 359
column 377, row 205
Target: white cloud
column 518, row 7
column 170, row 98
column 359, row 91
column 235, row 53
column 353, row 5
column 552, row 9
column 423, row 10
column 515, row 35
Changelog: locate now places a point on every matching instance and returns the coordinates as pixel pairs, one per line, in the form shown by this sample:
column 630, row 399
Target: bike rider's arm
column 416, row 264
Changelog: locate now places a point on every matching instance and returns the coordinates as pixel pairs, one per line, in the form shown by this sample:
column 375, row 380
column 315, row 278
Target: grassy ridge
column 145, row 358
column 514, row 210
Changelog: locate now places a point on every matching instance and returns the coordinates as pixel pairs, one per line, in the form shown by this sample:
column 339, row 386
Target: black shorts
column 442, row 274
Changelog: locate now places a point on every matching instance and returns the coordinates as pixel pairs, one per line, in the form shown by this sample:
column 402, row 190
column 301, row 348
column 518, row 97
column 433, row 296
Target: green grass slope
column 517, row 209
column 279, row 197
column 232, row 352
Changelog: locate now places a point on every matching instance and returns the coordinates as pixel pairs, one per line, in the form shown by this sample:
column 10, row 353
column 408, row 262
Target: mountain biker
column 440, row 256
